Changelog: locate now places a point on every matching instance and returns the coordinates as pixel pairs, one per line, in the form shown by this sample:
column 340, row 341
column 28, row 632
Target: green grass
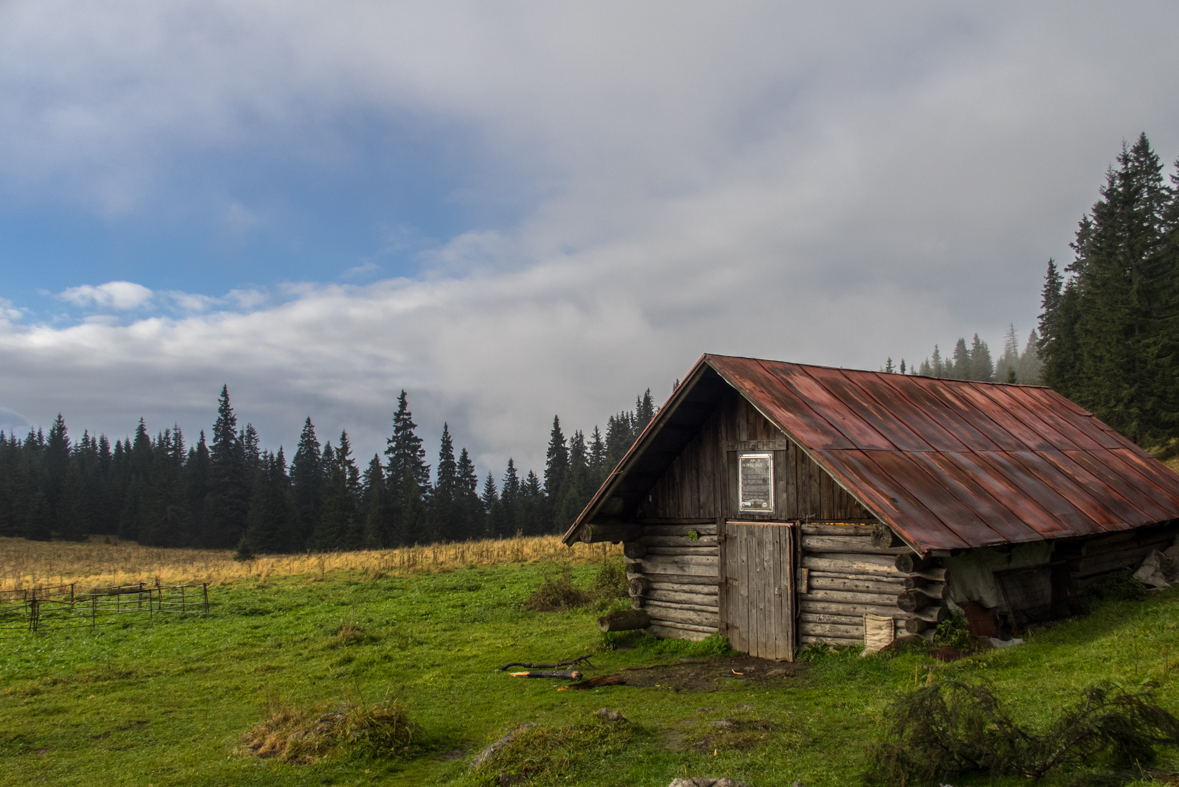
column 170, row 704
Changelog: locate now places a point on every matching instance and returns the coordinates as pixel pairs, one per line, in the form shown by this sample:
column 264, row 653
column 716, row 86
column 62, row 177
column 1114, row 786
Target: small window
column 755, row 483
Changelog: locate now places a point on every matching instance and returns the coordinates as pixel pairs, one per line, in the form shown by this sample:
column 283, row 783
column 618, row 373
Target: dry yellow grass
column 97, row 563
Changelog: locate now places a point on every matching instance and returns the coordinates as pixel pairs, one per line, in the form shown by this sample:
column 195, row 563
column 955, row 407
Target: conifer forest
column 1107, row 338
column 227, row 492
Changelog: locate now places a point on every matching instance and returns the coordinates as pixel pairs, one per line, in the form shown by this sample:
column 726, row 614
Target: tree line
column 1108, row 335
column 975, row 362
column 1109, row 329
column 231, row 493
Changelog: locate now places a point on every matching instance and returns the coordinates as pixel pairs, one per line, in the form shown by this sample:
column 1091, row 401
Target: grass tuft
column 552, row 751
column 306, row 735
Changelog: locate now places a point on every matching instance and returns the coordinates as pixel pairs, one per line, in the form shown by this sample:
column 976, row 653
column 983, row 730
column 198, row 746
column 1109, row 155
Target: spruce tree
column 509, row 498
column 1118, row 270
column 644, row 412
column 408, row 477
column 470, row 508
column 271, row 521
column 307, row 481
column 961, row 369
column 443, row 501
column 196, row 481
column 489, row 496
column 981, row 366
column 556, row 469
column 577, row 489
column 597, row 458
column 57, row 462
column 374, row 505
column 531, row 507
column 227, row 502
column 340, row 525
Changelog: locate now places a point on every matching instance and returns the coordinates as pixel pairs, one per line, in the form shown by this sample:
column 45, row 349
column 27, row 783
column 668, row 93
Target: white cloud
column 120, row 295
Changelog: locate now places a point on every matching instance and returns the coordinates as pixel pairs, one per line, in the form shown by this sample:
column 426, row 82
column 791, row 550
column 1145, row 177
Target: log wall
column 702, row 481
column 842, row 577
column 1093, row 561
column 673, row 577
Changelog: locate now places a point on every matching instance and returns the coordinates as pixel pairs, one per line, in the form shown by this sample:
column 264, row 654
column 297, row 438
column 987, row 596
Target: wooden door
column 757, row 588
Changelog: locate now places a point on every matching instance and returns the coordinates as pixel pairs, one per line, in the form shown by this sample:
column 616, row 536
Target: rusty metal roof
column 948, row 464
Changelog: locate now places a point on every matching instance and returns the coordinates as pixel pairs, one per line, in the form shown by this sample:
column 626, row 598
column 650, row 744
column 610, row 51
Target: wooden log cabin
column 788, row 505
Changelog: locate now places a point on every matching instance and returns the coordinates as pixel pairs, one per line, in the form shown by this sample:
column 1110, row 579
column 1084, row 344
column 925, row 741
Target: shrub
column 557, row 593
column 950, row 728
column 609, row 583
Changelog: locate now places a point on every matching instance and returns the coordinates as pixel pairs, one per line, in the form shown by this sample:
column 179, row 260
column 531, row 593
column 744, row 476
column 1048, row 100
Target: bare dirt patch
column 702, row 675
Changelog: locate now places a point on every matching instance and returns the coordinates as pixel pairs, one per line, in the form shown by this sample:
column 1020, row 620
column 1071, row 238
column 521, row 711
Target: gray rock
column 609, row 715
column 724, row 724
column 744, row 707
column 702, row 781
column 705, row 710
column 484, row 756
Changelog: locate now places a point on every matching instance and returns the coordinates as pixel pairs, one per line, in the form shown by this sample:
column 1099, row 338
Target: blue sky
column 530, row 209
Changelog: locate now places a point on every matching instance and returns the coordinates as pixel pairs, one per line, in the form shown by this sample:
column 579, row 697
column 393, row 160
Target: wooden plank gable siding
column 701, row 482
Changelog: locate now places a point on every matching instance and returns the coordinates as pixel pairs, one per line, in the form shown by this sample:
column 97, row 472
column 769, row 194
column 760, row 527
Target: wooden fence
column 65, row 606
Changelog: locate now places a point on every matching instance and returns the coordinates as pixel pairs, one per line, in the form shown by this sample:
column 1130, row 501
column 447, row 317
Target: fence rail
column 65, row 606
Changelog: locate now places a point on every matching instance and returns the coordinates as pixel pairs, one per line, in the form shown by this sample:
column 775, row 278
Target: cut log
column 706, row 580
column 859, row 584
column 910, row 562
column 871, row 599
column 892, row 580
column 679, row 530
column 852, row 564
column 659, row 613
column 819, row 617
column 624, row 620
column 808, row 529
column 657, row 608
column 935, row 574
column 933, row 614
column 710, row 589
column 691, row 566
column 706, row 550
column 855, row 545
column 634, row 550
column 837, row 641
column 808, row 629
column 548, row 673
column 592, row 533
column 694, row 599
column 913, row 600
column 638, row 586
column 805, row 604
column 883, row 536
column 678, row 541
column 915, row 625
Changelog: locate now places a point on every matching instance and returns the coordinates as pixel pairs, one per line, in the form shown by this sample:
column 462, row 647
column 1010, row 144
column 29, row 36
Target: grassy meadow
column 173, row 703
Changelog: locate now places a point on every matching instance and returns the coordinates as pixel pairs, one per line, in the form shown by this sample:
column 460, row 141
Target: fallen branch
column 566, row 674
column 593, row 683
column 572, row 663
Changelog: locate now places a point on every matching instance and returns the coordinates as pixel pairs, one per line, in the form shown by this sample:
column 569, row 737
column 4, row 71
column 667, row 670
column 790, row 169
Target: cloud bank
column 830, row 186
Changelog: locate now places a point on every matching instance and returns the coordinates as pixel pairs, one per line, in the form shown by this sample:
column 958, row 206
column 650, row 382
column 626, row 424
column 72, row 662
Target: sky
column 517, row 210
